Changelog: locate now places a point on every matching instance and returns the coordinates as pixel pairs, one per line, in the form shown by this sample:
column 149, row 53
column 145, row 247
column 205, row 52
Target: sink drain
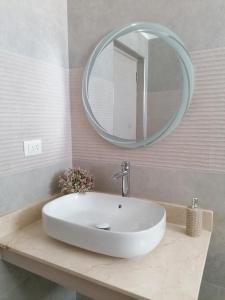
column 103, row 226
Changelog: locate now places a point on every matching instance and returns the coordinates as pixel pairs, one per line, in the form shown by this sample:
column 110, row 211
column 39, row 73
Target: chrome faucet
column 125, row 175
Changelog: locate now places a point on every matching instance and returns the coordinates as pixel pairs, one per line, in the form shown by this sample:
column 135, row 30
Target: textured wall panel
column 199, row 141
column 34, row 103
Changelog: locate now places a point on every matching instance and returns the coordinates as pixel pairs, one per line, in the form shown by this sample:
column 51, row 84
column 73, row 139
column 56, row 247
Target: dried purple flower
column 76, row 181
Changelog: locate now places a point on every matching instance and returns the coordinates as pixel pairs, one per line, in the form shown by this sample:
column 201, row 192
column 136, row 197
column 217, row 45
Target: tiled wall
column 34, row 103
column 36, row 29
column 191, row 161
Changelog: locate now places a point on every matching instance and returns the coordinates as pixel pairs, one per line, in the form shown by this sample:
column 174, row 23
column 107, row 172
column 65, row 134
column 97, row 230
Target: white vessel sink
column 109, row 224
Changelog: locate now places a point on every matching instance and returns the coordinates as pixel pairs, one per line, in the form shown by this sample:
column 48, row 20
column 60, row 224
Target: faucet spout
column 119, row 175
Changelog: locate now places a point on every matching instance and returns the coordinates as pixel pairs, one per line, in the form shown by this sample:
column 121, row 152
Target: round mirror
column 137, row 84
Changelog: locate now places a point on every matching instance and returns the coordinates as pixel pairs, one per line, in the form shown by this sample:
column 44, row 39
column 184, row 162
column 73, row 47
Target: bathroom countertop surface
column 172, row 271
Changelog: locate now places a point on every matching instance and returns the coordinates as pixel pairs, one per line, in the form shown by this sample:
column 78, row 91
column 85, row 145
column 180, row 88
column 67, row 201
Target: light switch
column 33, row 147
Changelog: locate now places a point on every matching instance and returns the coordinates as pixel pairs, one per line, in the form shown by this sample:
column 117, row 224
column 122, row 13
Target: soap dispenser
column 194, row 219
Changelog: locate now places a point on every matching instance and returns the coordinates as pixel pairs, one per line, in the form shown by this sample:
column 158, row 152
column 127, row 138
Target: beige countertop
column 173, row 270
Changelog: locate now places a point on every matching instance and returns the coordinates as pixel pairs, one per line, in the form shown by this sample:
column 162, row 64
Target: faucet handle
column 125, row 165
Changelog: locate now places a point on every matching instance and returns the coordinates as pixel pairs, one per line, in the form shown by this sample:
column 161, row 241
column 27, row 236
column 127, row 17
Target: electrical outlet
column 33, row 147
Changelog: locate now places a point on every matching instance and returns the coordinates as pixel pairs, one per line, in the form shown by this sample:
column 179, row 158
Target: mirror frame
column 187, row 87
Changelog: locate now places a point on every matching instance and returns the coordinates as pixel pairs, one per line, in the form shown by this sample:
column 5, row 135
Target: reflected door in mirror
column 125, row 89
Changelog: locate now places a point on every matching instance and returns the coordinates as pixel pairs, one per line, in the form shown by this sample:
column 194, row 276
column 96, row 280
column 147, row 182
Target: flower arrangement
column 76, row 181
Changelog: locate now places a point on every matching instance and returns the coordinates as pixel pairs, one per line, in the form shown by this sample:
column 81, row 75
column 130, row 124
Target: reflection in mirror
column 135, row 86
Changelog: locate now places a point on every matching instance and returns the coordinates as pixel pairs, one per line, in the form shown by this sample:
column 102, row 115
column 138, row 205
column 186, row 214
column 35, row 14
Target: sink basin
column 109, row 224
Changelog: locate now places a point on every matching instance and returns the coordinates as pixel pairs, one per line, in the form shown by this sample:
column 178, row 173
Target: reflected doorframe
column 142, row 86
